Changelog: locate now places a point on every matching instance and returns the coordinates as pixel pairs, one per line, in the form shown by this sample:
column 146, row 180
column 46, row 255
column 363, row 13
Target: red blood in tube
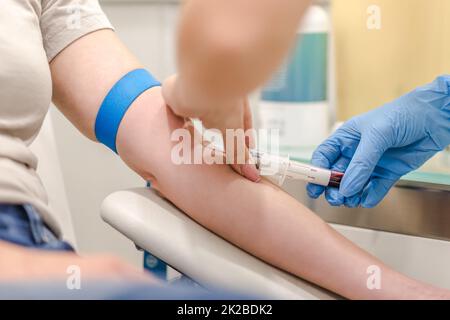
column 335, row 179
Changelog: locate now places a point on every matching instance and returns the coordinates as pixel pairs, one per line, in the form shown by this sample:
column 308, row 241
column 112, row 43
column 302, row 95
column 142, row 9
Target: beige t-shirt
column 32, row 33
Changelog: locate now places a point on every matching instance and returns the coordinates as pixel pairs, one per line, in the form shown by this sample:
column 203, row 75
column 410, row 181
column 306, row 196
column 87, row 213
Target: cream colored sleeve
column 64, row 21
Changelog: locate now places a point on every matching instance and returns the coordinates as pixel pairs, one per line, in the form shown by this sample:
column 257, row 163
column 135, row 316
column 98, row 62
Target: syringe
column 280, row 168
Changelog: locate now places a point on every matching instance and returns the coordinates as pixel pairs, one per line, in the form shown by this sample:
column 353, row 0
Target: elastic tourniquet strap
column 116, row 103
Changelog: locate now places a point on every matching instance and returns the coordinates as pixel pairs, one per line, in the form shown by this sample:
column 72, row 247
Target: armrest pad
column 157, row 226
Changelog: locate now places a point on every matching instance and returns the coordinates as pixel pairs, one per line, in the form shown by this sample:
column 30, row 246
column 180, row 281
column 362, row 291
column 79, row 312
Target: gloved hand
column 376, row 148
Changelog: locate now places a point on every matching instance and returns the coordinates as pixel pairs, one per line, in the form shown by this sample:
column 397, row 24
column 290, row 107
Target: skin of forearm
column 259, row 218
column 227, row 48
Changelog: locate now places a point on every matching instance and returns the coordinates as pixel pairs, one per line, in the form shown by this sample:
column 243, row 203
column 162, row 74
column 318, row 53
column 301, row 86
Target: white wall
column 90, row 171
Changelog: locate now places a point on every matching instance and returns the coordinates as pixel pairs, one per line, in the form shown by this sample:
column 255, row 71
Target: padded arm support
column 157, row 226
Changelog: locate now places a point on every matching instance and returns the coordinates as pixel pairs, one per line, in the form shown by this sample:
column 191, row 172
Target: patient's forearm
column 260, row 218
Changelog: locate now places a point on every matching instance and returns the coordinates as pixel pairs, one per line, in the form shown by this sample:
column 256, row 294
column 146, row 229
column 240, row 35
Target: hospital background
column 370, row 67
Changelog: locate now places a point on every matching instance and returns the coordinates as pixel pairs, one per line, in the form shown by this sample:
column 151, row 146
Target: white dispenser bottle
column 295, row 101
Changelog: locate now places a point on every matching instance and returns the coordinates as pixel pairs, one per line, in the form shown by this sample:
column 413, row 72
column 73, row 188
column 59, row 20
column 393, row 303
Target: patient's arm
column 259, row 218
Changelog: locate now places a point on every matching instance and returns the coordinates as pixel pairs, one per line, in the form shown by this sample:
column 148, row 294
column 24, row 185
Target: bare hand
column 227, row 118
column 23, row 264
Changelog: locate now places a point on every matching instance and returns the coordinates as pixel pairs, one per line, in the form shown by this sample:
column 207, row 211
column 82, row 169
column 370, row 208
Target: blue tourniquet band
column 117, row 102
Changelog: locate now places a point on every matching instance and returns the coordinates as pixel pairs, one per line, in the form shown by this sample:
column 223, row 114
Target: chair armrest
column 157, row 226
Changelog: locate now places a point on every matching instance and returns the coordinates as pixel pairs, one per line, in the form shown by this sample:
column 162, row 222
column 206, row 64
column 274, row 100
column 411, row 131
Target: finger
column 314, row 191
column 353, row 201
column 323, row 157
column 248, row 117
column 235, row 141
column 249, row 170
column 326, row 154
column 375, row 191
column 232, row 128
column 168, row 92
column 236, row 149
column 231, row 146
column 248, row 126
column 341, row 164
column 333, row 197
column 237, row 168
column 361, row 166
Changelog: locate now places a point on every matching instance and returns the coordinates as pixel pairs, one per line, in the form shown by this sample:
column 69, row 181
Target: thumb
column 240, row 159
column 168, row 91
column 361, row 167
column 236, row 143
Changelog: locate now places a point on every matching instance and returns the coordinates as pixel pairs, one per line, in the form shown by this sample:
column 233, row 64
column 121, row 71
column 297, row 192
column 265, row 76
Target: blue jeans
column 22, row 225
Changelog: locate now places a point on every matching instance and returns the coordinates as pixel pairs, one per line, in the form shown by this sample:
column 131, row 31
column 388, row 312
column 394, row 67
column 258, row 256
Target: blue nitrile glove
column 376, row 148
